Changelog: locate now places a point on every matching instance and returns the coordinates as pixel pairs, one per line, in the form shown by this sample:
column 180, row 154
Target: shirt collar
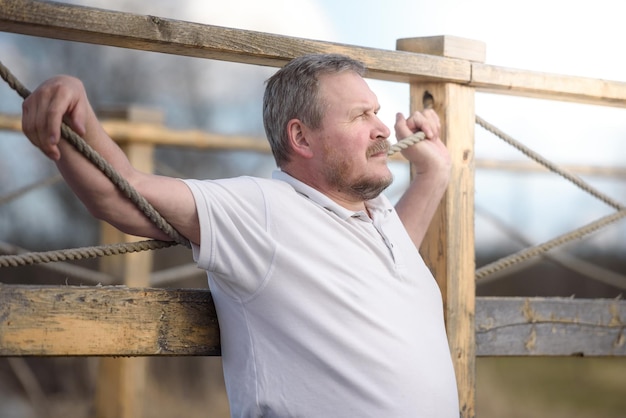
column 378, row 206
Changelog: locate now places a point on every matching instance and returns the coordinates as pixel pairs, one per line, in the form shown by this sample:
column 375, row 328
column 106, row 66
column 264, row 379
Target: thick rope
column 540, row 249
column 103, row 165
column 67, row 270
column 531, row 252
column 406, row 142
column 82, row 253
column 550, row 165
column 570, row 262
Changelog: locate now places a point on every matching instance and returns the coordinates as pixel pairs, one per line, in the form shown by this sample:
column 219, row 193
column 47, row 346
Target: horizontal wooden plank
column 550, row 327
column 156, row 134
column 106, row 321
column 159, row 34
column 501, row 80
column 121, row 321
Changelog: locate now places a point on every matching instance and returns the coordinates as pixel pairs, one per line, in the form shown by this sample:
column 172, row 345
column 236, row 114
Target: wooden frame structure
column 139, row 321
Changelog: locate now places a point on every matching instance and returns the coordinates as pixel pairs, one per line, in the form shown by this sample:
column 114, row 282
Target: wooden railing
column 139, row 321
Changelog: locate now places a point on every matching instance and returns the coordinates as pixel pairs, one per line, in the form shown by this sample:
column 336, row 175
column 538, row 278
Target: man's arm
column 417, row 206
column 64, row 99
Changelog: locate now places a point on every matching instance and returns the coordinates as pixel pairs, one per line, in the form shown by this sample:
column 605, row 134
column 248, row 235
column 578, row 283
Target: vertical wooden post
column 448, row 248
column 122, row 381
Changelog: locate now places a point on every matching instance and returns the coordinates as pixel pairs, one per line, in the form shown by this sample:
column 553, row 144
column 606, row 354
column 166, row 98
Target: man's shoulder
column 242, row 185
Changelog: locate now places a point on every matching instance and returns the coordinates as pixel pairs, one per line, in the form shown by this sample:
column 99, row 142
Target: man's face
column 352, row 140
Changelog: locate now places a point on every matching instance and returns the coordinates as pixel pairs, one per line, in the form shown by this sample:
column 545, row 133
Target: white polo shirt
column 323, row 312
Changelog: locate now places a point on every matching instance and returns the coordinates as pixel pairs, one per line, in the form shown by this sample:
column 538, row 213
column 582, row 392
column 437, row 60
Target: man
column 326, row 308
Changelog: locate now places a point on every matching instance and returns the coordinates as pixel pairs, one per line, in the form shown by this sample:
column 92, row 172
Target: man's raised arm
column 63, row 99
column 417, row 206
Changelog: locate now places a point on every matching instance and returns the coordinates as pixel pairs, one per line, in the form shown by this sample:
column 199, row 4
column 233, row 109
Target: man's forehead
column 348, row 86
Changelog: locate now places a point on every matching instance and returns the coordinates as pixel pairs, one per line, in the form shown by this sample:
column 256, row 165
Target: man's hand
column 58, row 99
column 428, row 155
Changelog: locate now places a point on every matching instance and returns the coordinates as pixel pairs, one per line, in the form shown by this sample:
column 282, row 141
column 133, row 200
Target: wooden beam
column 148, row 133
column 510, row 81
column 448, row 248
column 550, row 327
column 158, row 34
column 106, row 321
column 10, row 122
column 150, row 33
column 126, row 131
column 122, row 321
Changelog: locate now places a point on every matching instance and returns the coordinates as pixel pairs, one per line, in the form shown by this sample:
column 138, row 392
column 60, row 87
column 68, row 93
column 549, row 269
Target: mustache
column 380, row 146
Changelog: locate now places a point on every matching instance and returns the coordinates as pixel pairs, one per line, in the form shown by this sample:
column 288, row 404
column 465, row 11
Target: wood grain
column 159, row 34
column 121, row 321
column 106, row 321
column 550, row 327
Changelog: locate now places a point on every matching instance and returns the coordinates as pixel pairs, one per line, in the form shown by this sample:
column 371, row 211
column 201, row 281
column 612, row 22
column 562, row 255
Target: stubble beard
column 369, row 189
column 365, row 188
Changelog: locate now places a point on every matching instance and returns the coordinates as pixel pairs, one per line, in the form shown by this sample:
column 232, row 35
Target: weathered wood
column 123, row 131
column 448, row 247
column 150, row 33
column 121, row 321
column 445, row 46
column 501, row 80
column 147, row 133
column 550, row 327
column 106, row 321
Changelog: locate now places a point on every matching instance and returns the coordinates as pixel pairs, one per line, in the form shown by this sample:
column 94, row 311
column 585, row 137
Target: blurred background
column 513, row 208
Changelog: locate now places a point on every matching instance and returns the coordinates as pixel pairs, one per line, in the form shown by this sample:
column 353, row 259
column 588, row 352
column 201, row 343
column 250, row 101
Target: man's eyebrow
column 365, row 108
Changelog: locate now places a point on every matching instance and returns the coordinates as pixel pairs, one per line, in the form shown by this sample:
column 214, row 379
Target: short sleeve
column 235, row 245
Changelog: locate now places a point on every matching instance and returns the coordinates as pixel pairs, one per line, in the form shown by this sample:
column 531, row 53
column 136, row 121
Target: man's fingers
column 426, row 121
column 401, row 127
column 34, row 129
column 45, row 109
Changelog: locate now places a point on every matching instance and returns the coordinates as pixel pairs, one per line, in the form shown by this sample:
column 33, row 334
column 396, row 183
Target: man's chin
column 368, row 189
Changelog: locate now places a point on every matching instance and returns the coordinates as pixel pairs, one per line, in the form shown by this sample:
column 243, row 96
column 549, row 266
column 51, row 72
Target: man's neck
column 343, row 199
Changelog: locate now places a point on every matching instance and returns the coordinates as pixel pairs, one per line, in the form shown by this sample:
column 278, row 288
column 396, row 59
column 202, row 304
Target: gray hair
column 293, row 93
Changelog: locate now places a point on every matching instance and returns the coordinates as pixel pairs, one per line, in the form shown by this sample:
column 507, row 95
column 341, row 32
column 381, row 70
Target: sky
column 555, row 36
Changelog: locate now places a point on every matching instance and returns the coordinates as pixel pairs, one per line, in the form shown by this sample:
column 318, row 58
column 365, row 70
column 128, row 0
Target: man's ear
column 298, row 138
